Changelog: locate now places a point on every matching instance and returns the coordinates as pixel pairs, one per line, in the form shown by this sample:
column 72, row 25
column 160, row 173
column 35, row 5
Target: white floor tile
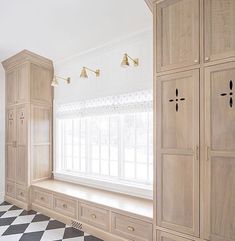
column 13, row 213
column 75, row 239
column 36, row 227
column 3, row 229
column 15, row 237
column 23, row 219
column 5, row 208
column 54, row 234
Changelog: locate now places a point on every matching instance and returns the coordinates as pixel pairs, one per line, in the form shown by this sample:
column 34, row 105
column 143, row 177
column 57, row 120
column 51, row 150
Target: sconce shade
column 83, row 73
column 125, row 61
column 54, row 82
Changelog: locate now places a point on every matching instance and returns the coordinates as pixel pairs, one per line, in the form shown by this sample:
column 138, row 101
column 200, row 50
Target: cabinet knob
column 93, row 216
column 132, row 229
column 207, row 59
column 64, row 206
column 42, row 198
column 196, row 61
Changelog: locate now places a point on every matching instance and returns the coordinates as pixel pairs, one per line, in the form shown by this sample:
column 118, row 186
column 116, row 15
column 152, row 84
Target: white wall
column 2, row 133
column 114, row 79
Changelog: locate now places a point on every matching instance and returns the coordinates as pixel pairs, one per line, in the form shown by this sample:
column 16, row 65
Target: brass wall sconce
column 84, row 72
column 55, row 81
column 125, row 61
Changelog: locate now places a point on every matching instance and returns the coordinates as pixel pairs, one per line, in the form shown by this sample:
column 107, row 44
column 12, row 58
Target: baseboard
column 18, row 203
column 1, row 197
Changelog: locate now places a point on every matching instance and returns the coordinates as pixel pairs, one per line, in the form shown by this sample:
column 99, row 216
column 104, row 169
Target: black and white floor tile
column 17, row 224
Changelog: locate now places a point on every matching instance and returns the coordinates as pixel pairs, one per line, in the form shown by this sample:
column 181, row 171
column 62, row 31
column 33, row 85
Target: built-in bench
column 108, row 215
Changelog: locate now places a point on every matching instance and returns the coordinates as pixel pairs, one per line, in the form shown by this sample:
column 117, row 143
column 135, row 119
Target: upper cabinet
column 28, row 80
column 219, row 31
column 177, row 35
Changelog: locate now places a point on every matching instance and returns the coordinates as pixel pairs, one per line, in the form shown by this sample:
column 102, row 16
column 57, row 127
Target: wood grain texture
column 220, row 138
column 219, row 29
column 177, row 34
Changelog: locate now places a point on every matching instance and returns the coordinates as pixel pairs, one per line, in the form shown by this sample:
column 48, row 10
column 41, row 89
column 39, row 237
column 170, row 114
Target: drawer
column 163, row 236
column 131, row 228
column 65, row 206
column 94, row 215
column 42, row 198
column 21, row 193
column 10, row 189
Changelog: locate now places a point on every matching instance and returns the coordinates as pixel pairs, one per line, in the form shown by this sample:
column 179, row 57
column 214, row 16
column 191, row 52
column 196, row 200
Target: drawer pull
column 132, row 229
column 42, row 198
column 21, row 194
column 65, row 206
column 93, row 216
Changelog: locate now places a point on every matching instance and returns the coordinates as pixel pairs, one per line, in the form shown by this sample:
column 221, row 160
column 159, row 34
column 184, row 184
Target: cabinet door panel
column 11, row 87
column 177, row 153
column 41, row 90
column 177, row 34
column 10, row 162
column 22, row 165
column 11, row 126
column 23, row 83
column 220, row 138
column 219, row 29
column 22, row 127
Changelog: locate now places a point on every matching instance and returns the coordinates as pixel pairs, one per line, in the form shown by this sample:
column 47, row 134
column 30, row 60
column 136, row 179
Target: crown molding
column 149, row 4
column 129, row 39
column 26, row 56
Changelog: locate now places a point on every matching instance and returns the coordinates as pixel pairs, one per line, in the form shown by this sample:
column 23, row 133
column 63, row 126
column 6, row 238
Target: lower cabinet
column 131, row 228
column 103, row 218
column 21, row 193
column 162, row 236
column 94, row 216
column 10, row 189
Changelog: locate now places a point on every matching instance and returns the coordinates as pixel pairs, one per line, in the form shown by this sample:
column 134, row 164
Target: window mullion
column 135, row 148
column 148, row 136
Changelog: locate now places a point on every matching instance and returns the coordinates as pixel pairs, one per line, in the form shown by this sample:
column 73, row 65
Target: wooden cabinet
column 163, row 236
column 195, row 120
column 220, row 159
column 22, row 82
column 178, row 152
column 177, row 33
column 219, row 30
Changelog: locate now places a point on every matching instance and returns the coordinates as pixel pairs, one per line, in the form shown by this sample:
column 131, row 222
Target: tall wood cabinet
column 28, row 124
column 194, row 192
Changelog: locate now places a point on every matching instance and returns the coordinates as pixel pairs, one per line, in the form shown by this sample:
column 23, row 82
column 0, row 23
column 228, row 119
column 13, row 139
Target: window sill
column 140, row 191
column 131, row 205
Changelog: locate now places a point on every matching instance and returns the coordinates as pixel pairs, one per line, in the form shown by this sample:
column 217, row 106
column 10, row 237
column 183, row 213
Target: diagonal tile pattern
column 17, row 224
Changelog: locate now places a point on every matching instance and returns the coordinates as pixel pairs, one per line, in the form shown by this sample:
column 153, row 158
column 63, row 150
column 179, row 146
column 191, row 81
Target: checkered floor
column 17, row 224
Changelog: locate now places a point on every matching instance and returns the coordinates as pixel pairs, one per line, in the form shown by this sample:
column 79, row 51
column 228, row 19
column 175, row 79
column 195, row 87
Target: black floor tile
column 40, row 217
column 25, row 213
column 35, row 236
column 54, row 224
column 16, row 229
column 6, row 221
column 91, row 238
column 72, row 232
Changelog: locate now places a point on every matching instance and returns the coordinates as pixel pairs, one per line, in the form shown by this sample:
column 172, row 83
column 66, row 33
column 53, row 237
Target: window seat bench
column 108, row 215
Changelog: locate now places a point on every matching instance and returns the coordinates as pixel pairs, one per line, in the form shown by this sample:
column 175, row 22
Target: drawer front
column 42, row 198
column 21, row 193
column 65, row 206
column 10, row 189
column 131, row 228
column 162, row 236
column 95, row 216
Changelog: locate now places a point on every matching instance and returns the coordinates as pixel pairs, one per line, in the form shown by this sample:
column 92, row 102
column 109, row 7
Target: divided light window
column 113, row 145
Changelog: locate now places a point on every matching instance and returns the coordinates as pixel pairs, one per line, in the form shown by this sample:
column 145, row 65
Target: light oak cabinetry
column 28, row 123
column 195, row 120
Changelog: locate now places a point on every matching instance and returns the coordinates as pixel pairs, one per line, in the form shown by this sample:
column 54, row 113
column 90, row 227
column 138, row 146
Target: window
column 106, row 142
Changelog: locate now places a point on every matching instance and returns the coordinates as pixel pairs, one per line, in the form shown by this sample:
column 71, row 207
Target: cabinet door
column 10, row 143
column 219, row 29
column 220, row 165
column 178, row 152
column 177, row 34
column 22, row 150
column 23, row 83
column 11, row 126
column 11, row 87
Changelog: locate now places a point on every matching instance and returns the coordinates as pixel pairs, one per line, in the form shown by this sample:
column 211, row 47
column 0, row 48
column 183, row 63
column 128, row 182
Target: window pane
column 129, row 171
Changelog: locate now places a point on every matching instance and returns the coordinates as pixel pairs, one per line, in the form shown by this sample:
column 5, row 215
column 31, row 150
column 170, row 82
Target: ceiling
column 58, row 29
